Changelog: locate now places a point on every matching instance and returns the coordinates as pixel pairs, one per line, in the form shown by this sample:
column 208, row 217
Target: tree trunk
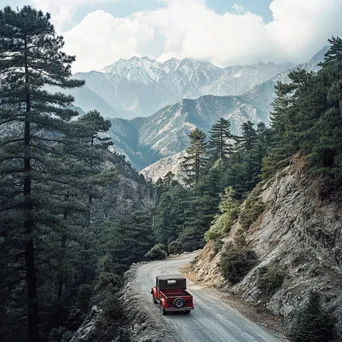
column 61, row 277
column 31, row 278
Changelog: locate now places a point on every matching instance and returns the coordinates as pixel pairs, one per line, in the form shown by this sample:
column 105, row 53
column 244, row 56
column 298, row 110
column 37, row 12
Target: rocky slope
column 299, row 234
column 147, row 140
column 160, row 168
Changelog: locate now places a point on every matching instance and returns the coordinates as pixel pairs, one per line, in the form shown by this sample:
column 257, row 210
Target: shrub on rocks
column 156, row 253
column 175, row 247
column 270, row 279
column 236, row 262
column 313, row 323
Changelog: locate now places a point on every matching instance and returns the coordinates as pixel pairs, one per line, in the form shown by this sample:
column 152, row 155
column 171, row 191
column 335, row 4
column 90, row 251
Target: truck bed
column 170, row 293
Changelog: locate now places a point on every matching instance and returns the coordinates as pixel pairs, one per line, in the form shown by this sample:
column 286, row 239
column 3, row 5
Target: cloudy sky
column 224, row 32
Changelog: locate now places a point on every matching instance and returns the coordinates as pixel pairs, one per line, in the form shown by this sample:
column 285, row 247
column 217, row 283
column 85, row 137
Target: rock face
column 297, row 233
column 160, row 168
column 146, row 140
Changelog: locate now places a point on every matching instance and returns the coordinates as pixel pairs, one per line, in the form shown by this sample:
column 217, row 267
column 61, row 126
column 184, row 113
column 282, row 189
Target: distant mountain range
column 146, row 140
column 142, row 86
column 155, row 139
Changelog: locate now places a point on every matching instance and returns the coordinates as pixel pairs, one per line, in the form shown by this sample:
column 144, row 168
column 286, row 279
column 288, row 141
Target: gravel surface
column 212, row 320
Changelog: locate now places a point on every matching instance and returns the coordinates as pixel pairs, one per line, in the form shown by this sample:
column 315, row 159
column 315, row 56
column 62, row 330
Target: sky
column 224, row 32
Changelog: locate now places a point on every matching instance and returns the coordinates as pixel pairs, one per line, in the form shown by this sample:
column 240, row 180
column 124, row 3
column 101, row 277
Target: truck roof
column 170, row 276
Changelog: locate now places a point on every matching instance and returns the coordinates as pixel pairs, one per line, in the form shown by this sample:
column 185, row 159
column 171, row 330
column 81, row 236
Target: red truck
column 170, row 292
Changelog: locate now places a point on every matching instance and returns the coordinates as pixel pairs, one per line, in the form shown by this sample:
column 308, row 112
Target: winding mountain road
column 213, row 320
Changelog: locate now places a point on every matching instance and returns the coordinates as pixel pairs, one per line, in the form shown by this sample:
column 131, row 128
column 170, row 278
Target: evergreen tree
column 131, row 238
column 219, row 145
column 202, row 207
column 31, row 57
column 307, row 120
column 193, row 163
column 334, row 54
column 170, row 216
column 169, row 179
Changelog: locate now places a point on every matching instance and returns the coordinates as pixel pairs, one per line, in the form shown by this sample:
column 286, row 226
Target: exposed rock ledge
column 297, row 232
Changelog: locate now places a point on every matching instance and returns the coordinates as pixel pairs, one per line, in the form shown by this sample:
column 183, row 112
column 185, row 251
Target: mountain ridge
column 142, row 86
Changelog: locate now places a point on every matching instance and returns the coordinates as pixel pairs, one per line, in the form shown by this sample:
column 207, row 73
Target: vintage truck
column 170, row 292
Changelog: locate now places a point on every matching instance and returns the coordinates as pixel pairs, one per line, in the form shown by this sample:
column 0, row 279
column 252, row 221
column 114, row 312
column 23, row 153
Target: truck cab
column 170, row 292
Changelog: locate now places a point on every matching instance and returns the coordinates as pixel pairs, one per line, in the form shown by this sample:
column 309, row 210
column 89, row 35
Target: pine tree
column 200, row 212
column 334, row 54
column 169, row 179
column 193, row 163
column 131, row 237
column 31, row 57
column 169, row 215
column 219, row 145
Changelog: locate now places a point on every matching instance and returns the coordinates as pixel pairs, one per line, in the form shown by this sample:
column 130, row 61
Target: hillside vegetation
column 275, row 233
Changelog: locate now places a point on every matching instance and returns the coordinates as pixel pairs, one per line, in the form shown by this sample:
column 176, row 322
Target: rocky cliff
column 297, row 233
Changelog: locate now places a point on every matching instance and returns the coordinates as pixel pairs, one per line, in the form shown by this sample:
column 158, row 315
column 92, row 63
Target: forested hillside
column 271, row 183
column 73, row 215
column 306, row 119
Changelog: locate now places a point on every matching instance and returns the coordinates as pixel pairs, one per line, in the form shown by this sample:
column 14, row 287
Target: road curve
column 211, row 321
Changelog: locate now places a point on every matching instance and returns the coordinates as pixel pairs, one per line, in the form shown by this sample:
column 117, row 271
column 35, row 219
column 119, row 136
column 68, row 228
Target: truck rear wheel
column 153, row 299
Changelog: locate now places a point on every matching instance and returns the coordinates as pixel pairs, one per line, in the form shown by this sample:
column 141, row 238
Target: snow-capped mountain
column 142, row 86
column 155, row 139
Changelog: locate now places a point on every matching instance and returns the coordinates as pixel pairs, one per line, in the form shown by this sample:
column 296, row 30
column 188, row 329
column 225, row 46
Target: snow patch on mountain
column 142, row 86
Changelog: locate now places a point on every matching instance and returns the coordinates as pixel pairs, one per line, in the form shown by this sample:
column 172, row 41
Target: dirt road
column 211, row 321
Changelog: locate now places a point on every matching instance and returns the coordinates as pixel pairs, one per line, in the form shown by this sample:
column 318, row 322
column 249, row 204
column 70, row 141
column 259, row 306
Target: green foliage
column 219, row 145
column 252, row 209
column 106, row 280
column 246, row 162
column 229, row 211
column 105, row 264
column 157, row 252
column 169, row 216
column 40, row 184
column 202, row 209
column 334, row 54
column 128, row 238
column 84, row 294
column 112, row 307
column 217, row 246
column 307, row 120
column 312, row 323
column 162, row 247
column 175, row 247
column 106, row 294
column 193, row 162
column 270, row 279
column 237, row 259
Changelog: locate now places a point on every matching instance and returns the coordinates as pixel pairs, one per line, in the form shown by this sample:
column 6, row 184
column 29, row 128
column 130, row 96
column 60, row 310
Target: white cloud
column 62, row 11
column 238, row 8
column 187, row 28
column 100, row 39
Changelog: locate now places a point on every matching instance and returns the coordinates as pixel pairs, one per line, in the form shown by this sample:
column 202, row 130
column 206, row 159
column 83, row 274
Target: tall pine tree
column 219, row 145
column 31, row 57
column 193, row 163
